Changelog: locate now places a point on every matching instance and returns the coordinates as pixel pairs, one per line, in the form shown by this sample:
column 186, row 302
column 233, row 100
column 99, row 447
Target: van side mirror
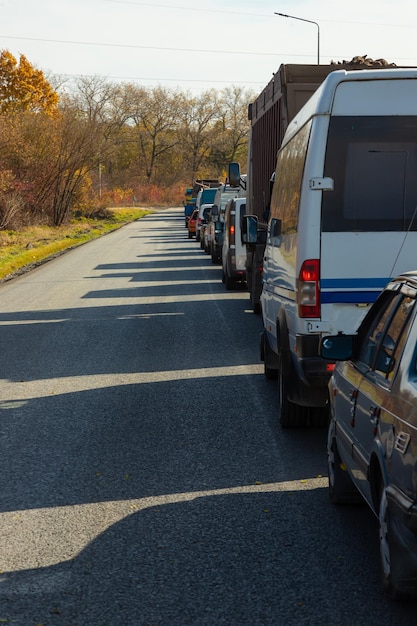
column 249, row 229
column 276, row 228
column 234, row 174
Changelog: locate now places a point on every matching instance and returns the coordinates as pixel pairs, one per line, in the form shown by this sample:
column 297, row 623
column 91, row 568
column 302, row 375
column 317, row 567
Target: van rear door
column 369, row 223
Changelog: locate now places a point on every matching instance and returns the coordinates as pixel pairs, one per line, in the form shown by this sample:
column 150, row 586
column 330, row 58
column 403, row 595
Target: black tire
column 229, row 282
column 396, row 576
column 271, row 373
column 385, row 551
column 256, row 305
column 254, row 297
column 319, row 416
column 290, row 415
column 341, row 487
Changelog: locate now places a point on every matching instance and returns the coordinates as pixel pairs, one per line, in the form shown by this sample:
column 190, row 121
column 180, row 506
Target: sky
column 212, row 44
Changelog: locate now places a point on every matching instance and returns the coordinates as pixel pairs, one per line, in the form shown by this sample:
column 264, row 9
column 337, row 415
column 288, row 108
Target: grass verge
column 29, row 247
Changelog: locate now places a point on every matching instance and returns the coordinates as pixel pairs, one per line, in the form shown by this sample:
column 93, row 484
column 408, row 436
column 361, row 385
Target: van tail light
column 232, row 234
column 308, row 298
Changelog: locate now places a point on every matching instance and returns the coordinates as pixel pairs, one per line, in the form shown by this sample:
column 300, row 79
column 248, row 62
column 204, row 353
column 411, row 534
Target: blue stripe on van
column 354, row 283
column 355, row 290
column 358, row 290
column 357, row 297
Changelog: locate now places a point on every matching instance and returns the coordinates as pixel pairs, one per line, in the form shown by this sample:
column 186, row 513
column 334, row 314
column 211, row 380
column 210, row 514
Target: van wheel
column 270, row 372
column 229, row 283
column 319, row 416
column 256, row 305
column 290, row 415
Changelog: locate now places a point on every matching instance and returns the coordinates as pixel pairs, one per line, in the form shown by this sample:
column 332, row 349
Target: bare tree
column 198, row 119
column 232, row 126
column 155, row 115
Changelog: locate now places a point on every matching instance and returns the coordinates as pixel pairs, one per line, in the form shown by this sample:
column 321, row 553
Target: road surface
column 144, row 478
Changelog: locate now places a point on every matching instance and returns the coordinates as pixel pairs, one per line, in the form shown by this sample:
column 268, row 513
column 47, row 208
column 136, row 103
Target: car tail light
column 308, row 298
column 232, row 234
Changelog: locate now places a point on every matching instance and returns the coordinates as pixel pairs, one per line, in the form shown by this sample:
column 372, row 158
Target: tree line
column 85, row 145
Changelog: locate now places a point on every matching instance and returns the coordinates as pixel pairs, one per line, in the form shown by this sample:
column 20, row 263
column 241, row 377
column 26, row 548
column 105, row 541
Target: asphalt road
column 144, row 478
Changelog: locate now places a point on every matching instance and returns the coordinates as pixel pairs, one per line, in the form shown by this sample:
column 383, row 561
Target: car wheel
column 290, row 415
column 396, row 576
column 341, row 487
column 384, row 547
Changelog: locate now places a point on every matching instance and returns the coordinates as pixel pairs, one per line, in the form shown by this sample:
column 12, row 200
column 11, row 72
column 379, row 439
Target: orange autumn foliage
column 24, row 88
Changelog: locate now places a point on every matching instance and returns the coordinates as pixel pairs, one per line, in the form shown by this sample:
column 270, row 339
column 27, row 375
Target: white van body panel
column 354, row 264
column 234, row 254
column 367, row 95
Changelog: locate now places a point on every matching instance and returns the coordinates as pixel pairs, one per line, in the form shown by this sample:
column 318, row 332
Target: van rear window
column 373, row 162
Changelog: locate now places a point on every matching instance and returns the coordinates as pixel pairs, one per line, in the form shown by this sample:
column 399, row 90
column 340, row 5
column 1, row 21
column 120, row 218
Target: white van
column 343, row 221
column 233, row 250
column 216, row 220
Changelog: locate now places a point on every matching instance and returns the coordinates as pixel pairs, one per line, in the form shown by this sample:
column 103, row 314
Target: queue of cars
column 341, row 227
column 372, row 432
column 339, row 308
column 218, row 230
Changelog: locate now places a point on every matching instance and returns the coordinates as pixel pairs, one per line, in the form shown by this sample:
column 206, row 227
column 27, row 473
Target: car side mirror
column 337, row 347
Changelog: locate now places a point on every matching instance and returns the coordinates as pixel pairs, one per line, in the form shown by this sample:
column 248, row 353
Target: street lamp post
column 310, row 22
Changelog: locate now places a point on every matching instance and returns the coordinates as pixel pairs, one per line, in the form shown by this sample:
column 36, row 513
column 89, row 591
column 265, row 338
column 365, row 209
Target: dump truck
column 282, row 98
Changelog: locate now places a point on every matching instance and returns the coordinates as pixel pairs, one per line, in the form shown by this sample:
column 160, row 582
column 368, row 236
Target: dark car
column 372, row 439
